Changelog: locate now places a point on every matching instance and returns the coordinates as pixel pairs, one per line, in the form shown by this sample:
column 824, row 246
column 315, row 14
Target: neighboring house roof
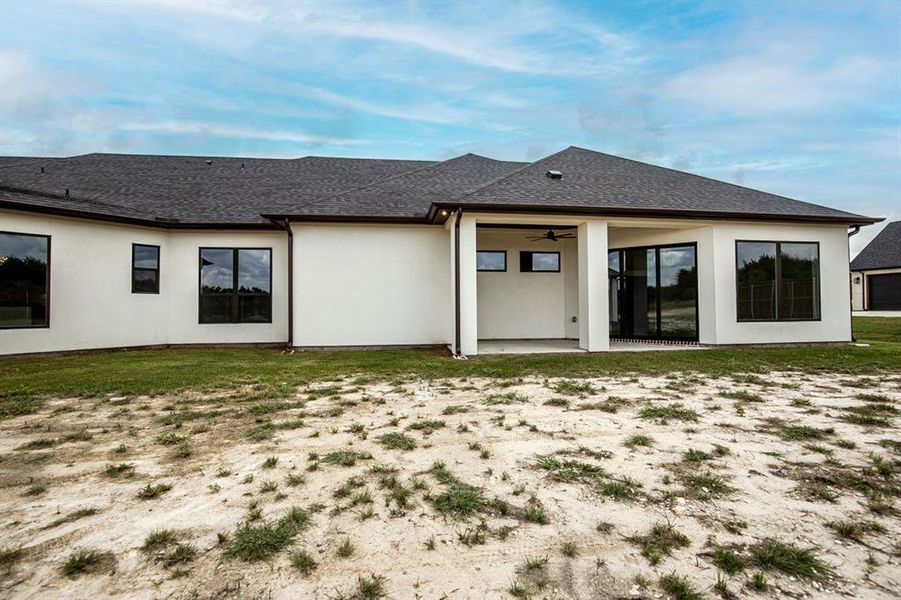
column 185, row 191
column 883, row 251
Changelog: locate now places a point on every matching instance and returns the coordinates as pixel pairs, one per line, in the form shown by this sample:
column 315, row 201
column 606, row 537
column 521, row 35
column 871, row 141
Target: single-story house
column 114, row 250
column 876, row 272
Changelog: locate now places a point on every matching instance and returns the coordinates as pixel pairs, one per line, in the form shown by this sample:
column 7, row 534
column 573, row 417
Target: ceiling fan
column 550, row 236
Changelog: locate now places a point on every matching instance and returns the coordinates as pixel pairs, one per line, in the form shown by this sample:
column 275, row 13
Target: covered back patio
column 540, row 283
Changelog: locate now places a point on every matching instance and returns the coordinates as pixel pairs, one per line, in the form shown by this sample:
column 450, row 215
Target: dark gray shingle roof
column 191, row 190
column 228, row 191
column 411, row 195
column 883, row 251
column 597, row 181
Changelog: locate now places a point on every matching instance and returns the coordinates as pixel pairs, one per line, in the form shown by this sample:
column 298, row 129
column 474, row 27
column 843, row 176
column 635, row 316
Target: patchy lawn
column 288, row 482
column 24, row 380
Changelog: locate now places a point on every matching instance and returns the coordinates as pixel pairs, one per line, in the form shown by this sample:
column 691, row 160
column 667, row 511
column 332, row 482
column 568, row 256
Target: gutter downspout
column 855, row 229
column 457, row 334
column 286, row 225
column 290, row 285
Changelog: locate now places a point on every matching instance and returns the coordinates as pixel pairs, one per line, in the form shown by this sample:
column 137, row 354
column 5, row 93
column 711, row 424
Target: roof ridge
column 502, row 177
column 381, row 181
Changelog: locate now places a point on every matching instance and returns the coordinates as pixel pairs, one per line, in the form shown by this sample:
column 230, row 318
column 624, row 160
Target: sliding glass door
column 653, row 292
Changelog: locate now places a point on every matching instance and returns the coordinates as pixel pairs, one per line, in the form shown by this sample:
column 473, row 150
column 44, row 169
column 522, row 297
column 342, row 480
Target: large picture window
column 778, row 281
column 24, row 280
column 145, row 269
column 653, row 292
column 235, row 285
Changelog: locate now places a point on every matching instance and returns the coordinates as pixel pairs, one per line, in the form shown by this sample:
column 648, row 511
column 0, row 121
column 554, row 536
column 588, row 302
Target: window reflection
column 778, row 281
column 24, row 281
column 653, row 292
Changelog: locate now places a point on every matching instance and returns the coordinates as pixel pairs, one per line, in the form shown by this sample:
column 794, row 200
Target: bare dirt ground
column 645, row 487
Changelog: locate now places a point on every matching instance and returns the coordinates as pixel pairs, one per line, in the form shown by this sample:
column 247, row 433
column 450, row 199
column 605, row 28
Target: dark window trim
column 47, row 283
column 778, row 279
column 529, row 253
column 235, row 293
column 657, row 249
column 134, row 247
column 504, row 270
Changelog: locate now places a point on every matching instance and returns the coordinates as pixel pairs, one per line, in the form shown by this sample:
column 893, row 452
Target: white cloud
column 774, row 80
column 529, row 38
column 218, row 130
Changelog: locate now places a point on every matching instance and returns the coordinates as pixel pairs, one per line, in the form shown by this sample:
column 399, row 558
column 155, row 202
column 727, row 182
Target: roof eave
column 639, row 212
column 325, row 218
column 158, row 223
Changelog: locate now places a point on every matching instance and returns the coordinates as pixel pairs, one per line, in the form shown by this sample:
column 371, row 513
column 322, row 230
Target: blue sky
column 798, row 98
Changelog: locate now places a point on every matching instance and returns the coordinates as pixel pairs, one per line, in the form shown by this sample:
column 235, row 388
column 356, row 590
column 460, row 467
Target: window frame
column 504, row 270
column 134, row 247
column 778, row 281
column 530, row 253
column 46, row 325
column 235, row 293
column 658, row 309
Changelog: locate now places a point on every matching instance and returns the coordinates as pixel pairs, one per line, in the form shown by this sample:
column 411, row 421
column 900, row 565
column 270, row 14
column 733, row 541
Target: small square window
column 539, row 262
column 145, row 269
column 491, row 260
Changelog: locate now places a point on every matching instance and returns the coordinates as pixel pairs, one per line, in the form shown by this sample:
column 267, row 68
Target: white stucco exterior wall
column 91, row 304
column 835, row 306
column 184, row 277
column 594, row 312
column 516, row 305
column 393, row 284
column 362, row 285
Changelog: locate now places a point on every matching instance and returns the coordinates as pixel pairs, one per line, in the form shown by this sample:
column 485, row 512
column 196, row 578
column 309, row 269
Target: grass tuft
column 397, row 441
column 660, row 542
column 774, row 555
column 87, row 561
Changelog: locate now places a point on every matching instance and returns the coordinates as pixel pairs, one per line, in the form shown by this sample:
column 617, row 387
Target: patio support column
column 594, row 326
column 469, row 333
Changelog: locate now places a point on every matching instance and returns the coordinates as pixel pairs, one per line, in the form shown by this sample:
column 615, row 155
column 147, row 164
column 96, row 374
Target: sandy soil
column 779, row 487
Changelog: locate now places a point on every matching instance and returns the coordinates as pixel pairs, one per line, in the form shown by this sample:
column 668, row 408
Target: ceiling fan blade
column 565, row 235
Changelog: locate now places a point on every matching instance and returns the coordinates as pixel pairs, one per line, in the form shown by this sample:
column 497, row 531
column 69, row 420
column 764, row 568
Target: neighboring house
column 876, row 272
column 106, row 250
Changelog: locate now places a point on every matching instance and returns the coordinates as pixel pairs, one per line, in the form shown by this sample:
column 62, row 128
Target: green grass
column 664, row 413
column 774, row 555
column 679, row 588
column 877, row 329
column 397, row 441
column 24, row 380
column 304, row 562
column 254, row 542
column 86, row 560
column 727, row 560
column 460, row 502
column 660, row 542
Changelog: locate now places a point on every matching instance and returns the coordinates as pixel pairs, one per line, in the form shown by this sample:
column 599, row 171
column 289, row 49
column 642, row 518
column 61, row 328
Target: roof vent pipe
column 67, row 192
column 209, row 162
column 42, row 170
column 554, row 175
